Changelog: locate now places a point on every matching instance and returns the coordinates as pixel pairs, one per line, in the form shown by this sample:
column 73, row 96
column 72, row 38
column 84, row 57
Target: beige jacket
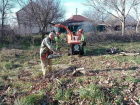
column 46, row 46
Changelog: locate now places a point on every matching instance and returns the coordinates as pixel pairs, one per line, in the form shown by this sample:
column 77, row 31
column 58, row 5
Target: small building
column 114, row 23
column 76, row 22
column 26, row 24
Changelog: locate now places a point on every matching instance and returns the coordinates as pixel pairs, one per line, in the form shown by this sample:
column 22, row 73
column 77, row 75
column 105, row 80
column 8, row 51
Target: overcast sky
column 71, row 6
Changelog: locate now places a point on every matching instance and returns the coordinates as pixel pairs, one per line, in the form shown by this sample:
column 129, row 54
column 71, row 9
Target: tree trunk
column 43, row 32
column 43, row 35
column 137, row 30
column 2, row 25
column 123, row 27
column 123, row 17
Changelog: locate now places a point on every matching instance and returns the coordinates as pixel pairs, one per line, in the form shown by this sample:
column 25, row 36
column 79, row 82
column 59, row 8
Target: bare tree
column 42, row 13
column 136, row 9
column 95, row 16
column 5, row 9
column 118, row 8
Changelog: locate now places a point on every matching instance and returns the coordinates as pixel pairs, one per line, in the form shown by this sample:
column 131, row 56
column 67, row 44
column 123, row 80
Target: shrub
column 112, row 37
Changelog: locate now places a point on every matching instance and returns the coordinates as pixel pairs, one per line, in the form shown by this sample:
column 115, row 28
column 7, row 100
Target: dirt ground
column 106, row 73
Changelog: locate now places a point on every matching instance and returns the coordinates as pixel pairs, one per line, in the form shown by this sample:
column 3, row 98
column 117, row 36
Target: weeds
column 21, row 101
column 59, row 95
column 68, row 94
column 21, row 70
column 92, row 93
column 33, row 99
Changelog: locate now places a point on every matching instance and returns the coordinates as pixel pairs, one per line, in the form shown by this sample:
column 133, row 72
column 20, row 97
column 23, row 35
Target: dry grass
column 116, row 78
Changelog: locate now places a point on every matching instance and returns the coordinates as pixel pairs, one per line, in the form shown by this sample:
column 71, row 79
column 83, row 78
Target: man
column 57, row 39
column 82, row 37
column 79, row 33
column 47, row 49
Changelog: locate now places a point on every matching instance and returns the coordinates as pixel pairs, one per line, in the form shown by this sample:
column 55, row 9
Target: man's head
column 80, row 30
column 57, row 33
column 51, row 35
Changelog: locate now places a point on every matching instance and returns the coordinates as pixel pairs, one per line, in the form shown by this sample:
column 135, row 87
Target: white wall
column 25, row 29
column 32, row 28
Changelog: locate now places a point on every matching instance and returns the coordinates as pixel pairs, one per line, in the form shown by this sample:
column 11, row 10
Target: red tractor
column 73, row 41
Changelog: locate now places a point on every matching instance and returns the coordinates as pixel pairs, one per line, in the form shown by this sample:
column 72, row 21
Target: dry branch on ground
column 128, row 54
column 71, row 71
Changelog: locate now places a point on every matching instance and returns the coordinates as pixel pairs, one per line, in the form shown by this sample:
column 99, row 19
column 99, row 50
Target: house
column 26, row 24
column 76, row 22
column 115, row 24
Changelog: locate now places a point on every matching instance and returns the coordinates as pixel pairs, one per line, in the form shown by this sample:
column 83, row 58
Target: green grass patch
column 1, row 45
column 133, row 79
column 59, row 95
column 92, row 93
column 33, row 99
column 63, row 95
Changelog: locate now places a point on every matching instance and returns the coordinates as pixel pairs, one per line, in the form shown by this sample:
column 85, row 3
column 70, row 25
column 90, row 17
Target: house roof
column 77, row 18
column 25, row 13
column 115, row 21
column 27, row 6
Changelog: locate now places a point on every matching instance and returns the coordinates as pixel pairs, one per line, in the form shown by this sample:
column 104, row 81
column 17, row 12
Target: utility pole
column 76, row 11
